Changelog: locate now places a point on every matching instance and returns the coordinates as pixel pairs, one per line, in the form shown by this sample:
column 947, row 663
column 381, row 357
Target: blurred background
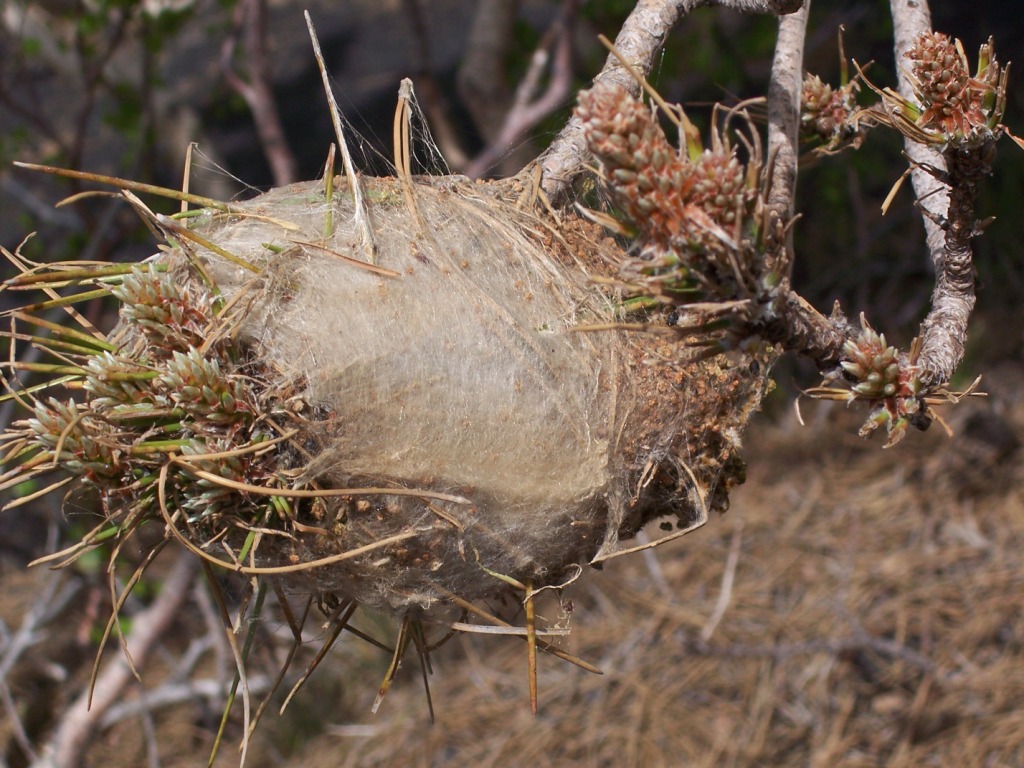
column 853, row 608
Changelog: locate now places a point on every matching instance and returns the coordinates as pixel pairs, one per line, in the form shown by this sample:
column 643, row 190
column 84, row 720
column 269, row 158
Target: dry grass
column 875, row 618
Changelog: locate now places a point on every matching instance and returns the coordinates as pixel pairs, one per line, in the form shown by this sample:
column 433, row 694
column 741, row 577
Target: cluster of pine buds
column 154, row 304
column 195, row 384
column 202, row 498
column 879, row 376
column 955, row 104
column 83, row 443
column 691, row 209
column 828, row 114
column 164, row 391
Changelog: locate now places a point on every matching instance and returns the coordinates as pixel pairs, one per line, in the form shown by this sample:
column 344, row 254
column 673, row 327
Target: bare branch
column 528, row 108
column 482, row 73
column 251, row 17
column 774, row 7
column 944, row 330
column 798, row 327
column 948, row 209
column 911, row 18
column 640, row 39
column 792, row 322
column 79, row 724
column 783, row 127
column 211, row 690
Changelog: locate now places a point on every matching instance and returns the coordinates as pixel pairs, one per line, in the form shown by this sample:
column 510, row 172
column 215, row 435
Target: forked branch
column 714, row 242
column 530, row 104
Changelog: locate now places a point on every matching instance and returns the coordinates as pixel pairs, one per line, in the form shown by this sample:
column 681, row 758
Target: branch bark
column 774, row 7
column 948, row 210
column 784, row 94
column 791, row 321
column 912, row 18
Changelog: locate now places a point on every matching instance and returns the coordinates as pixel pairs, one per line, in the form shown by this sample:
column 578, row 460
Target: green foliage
column 30, row 46
column 126, row 113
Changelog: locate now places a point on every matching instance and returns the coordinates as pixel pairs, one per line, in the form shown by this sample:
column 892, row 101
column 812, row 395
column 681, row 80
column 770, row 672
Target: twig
column 149, row 735
column 79, row 724
column 531, row 646
column 173, row 694
column 654, row 568
column 14, row 718
column 338, row 622
column 50, row 602
column 239, row 655
column 361, row 217
column 728, row 577
column 910, row 19
column 528, row 108
column 251, row 19
column 214, row 630
column 481, row 78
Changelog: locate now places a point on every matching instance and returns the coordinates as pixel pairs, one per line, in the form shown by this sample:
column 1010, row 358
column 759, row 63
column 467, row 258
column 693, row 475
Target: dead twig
column 482, row 77
column 529, row 108
column 81, row 723
column 250, row 21
column 728, row 577
column 361, row 216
